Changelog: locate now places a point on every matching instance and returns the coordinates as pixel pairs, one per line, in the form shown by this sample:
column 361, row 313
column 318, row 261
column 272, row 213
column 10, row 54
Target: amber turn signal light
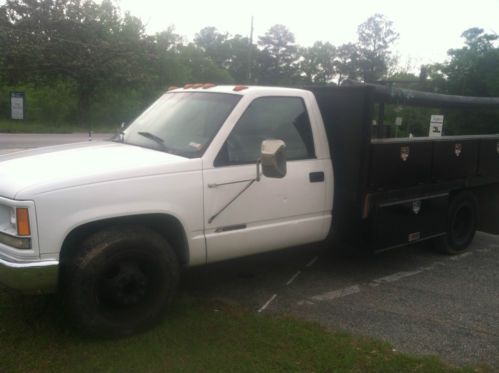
column 22, row 216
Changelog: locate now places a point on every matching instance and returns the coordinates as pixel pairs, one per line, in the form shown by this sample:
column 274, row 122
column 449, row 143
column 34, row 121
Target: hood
column 27, row 173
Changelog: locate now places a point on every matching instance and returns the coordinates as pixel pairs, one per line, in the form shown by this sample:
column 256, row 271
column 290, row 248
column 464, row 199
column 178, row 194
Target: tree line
column 80, row 61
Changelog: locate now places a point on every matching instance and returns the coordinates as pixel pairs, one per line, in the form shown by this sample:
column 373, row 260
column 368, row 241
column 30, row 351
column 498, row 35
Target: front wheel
column 461, row 224
column 121, row 281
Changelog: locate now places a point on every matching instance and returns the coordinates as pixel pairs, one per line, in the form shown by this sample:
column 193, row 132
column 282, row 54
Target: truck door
column 272, row 213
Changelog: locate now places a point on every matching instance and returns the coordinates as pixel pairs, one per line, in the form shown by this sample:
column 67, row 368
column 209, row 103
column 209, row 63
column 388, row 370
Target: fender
column 178, row 195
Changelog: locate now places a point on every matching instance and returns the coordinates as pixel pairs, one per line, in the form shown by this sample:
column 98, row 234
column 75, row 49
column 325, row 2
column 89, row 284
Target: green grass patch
column 195, row 336
column 16, row 126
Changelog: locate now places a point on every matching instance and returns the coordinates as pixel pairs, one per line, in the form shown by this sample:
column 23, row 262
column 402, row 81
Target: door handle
column 316, row 177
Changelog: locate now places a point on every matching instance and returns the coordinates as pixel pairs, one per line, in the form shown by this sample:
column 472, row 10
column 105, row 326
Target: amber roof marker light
column 239, row 88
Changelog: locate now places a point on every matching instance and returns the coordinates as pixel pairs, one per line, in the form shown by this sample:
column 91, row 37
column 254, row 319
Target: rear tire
column 121, row 281
column 461, row 225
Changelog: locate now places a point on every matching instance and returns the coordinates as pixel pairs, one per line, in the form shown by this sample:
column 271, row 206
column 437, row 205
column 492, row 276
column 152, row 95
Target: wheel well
column 470, row 193
column 166, row 225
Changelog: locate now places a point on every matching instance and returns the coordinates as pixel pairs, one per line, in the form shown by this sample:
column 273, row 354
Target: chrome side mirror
column 273, row 158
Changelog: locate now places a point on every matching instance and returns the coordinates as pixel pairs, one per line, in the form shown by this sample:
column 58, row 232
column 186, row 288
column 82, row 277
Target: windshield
column 181, row 123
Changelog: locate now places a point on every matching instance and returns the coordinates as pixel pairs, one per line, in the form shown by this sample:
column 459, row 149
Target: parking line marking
column 460, row 256
column 293, row 278
column 330, row 295
column 483, row 250
column 396, row 276
column 302, row 302
column 433, row 266
column 267, row 303
column 311, row 263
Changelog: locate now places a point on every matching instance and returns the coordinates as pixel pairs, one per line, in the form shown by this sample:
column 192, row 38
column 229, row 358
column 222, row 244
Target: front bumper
column 29, row 277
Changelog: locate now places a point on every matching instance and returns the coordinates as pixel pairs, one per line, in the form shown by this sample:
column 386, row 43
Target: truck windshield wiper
column 153, row 137
column 158, row 140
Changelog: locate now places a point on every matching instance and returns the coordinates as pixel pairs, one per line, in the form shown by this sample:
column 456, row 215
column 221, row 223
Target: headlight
column 13, row 218
column 16, row 242
column 15, row 227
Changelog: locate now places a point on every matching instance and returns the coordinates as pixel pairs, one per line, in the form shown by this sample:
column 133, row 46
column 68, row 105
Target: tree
column 347, row 62
column 238, row 63
column 165, row 66
column 277, row 60
column 317, row 63
column 89, row 43
column 200, row 67
column 213, row 43
column 474, row 69
column 168, row 40
column 226, row 52
column 375, row 37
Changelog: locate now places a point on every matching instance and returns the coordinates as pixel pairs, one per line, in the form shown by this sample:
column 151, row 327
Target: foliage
column 348, row 62
column 472, row 70
column 101, row 53
column 277, row 60
column 52, row 102
column 84, row 61
column 86, row 42
column 318, row 63
column 231, row 54
column 376, row 36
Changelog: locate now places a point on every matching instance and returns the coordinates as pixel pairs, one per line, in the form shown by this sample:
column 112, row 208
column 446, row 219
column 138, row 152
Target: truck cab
column 185, row 178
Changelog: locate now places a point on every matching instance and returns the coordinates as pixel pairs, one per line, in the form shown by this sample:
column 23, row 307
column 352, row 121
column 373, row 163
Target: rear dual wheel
column 461, row 225
column 121, row 281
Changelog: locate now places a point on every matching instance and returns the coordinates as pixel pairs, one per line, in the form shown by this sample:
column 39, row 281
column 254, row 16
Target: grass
column 15, row 126
column 195, row 336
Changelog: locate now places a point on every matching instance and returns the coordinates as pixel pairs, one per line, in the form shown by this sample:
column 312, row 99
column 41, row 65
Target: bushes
column 56, row 105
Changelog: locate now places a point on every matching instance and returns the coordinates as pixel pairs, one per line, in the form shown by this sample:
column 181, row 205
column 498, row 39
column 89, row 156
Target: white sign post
column 436, row 124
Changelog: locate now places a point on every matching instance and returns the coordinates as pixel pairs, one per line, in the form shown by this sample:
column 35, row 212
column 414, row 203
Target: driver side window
column 283, row 118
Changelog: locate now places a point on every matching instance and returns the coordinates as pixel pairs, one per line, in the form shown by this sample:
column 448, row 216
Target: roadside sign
column 17, row 105
column 436, row 124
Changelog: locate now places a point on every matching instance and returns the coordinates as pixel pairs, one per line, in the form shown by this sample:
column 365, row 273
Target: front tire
column 461, row 225
column 121, row 281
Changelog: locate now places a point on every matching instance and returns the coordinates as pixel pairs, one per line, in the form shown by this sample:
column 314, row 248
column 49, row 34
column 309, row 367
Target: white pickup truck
column 209, row 173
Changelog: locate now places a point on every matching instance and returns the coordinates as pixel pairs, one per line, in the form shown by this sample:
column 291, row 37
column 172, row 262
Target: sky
column 427, row 28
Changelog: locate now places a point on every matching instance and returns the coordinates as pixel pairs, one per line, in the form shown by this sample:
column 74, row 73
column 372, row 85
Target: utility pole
column 250, row 52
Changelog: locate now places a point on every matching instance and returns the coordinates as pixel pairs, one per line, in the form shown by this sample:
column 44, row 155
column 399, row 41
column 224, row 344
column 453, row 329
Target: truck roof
column 242, row 90
column 380, row 93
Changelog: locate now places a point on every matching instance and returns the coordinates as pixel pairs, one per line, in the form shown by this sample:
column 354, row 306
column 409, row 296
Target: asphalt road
column 14, row 142
column 419, row 301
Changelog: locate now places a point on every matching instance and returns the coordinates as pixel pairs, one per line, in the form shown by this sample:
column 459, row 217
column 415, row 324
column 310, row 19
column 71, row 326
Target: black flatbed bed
column 378, row 179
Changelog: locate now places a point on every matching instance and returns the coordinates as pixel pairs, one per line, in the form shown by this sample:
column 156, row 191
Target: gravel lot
column 418, row 300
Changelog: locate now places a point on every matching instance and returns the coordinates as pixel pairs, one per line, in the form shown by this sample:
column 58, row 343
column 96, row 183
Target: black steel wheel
column 121, row 281
column 461, row 224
